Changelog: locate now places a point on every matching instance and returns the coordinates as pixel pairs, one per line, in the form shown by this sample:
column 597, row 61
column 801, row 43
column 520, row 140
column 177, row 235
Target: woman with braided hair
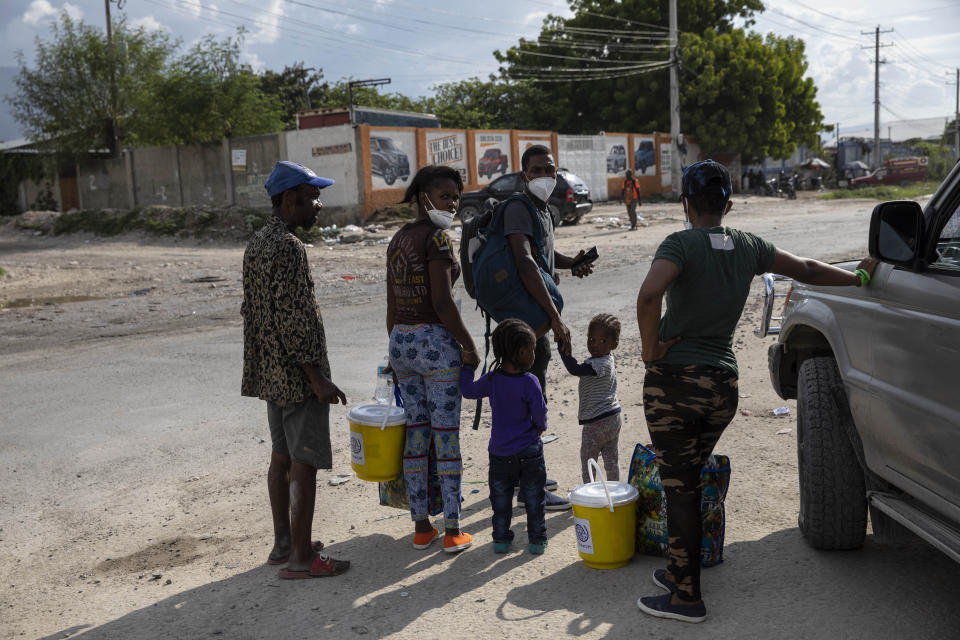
column 428, row 342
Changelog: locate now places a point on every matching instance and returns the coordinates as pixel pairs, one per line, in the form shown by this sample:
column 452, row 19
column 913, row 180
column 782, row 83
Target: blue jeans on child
column 528, row 470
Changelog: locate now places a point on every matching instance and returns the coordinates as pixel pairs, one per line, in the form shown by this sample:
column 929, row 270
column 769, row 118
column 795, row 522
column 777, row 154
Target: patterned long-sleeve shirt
column 282, row 326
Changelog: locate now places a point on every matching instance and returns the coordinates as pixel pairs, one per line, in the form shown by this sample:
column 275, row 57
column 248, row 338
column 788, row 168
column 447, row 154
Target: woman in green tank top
column 690, row 387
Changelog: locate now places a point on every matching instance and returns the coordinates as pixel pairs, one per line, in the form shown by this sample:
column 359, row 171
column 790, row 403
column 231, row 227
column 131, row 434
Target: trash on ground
column 346, row 277
column 746, row 412
column 475, row 491
column 141, row 292
column 338, row 480
column 783, row 432
column 404, row 594
column 550, row 437
column 781, row 411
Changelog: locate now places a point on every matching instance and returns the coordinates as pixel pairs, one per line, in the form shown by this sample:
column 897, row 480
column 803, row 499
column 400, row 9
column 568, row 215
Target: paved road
column 76, row 424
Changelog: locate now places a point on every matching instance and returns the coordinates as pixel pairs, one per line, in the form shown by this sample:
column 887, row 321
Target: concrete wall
column 203, row 175
column 259, row 155
column 330, row 152
column 156, row 177
column 30, row 190
column 103, row 183
column 586, row 156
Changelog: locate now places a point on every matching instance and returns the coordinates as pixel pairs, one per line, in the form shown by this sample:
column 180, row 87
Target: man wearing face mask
column 539, row 174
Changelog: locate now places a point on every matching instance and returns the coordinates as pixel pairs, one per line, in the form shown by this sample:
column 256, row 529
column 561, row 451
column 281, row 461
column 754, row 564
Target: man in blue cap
column 285, row 363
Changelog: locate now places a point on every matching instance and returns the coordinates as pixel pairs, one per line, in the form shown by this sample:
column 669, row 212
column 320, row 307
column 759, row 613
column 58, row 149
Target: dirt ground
column 160, row 540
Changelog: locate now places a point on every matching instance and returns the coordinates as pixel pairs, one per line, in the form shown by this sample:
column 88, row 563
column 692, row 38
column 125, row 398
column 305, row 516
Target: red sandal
column 323, row 566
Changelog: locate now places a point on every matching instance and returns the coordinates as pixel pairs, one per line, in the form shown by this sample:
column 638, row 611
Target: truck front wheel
column 833, row 503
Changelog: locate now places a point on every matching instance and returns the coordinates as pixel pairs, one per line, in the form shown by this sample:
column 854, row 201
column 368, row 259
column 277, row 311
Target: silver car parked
column 876, row 375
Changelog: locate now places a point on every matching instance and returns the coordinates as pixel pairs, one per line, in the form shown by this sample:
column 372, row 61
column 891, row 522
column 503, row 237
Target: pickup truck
column 899, row 171
column 874, row 371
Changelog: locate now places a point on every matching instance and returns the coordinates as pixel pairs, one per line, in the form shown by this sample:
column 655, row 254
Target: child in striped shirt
column 599, row 410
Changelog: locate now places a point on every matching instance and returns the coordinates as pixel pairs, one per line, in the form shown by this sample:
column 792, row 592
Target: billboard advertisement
column 527, row 140
column 493, row 154
column 617, row 164
column 644, row 156
column 448, row 148
column 393, row 157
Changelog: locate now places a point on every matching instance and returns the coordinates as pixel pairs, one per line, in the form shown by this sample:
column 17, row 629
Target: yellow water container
column 377, row 434
column 604, row 518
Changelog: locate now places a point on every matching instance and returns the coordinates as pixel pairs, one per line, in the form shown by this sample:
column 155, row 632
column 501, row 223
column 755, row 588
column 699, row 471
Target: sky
column 421, row 43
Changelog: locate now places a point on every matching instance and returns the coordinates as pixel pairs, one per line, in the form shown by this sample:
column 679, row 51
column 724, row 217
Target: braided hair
column 507, row 338
column 425, row 179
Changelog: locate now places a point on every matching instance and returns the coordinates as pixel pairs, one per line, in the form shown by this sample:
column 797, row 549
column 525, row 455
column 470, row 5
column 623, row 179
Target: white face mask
column 441, row 218
column 542, row 187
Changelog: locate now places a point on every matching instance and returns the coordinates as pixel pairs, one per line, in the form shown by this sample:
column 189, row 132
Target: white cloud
column 268, row 25
column 252, row 59
column 38, row 12
column 148, row 23
column 41, row 11
column 353, row 28
column 380, row 5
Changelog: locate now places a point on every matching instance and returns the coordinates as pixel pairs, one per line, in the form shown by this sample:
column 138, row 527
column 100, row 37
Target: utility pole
column 112, row 61
column 876, row 92
column 362, row 83
column 674, row 104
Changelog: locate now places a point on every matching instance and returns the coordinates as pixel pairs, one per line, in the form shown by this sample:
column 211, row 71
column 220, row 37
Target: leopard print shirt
column 282, row 326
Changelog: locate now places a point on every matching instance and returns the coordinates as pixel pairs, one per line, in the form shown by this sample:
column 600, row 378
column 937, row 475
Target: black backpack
column 469, row 232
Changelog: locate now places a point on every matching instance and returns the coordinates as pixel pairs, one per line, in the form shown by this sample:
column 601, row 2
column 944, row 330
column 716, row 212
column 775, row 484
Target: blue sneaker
column 660, row 579
column 661, row 607
column 501, row 547
column 537, row 548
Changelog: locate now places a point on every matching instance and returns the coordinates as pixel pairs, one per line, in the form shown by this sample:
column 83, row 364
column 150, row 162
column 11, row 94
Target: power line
column 824, row 13
column 611, row 76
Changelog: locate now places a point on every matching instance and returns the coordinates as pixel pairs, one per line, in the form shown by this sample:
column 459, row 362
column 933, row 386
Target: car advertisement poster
column 448, row 148
column 525, row 141
column 493, row 155
column 393, row 158
column 665, row 164
column 616, row 155
column 644, row 156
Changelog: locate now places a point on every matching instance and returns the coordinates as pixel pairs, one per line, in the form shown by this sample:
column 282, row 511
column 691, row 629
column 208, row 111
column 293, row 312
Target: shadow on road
column 776, row 587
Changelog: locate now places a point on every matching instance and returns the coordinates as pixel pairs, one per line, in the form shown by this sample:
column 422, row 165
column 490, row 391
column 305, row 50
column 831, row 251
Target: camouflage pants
column 687, row 407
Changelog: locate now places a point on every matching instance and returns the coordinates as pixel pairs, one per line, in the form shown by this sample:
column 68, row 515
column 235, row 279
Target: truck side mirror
column 896, row 232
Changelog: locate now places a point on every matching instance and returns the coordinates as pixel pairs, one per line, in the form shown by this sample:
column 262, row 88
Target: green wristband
column 864, row 276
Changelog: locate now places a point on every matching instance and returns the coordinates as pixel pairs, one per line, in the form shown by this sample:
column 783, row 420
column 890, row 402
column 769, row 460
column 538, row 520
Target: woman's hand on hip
column 660, row 350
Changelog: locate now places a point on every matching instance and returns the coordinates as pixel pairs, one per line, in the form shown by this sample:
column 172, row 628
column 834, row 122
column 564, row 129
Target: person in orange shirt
column 631, row 198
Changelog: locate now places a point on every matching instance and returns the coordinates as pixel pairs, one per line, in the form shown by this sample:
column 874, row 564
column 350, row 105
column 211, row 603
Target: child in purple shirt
column 519, row 417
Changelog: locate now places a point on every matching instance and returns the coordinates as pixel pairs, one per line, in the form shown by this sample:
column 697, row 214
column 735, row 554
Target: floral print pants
column 426, row 359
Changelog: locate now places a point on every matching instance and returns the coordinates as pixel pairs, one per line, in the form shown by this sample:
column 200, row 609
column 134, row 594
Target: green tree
column 605, row 69
column 291, row 86
column 491, row 104
column 207, row 95
column 64, row 101
column 748, row 94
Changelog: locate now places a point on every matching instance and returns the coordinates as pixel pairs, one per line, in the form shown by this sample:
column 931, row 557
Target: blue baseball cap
column 287, row 175
column 706, row 176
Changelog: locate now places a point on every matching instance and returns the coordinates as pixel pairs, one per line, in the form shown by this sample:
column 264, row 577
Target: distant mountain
column 9, row 128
